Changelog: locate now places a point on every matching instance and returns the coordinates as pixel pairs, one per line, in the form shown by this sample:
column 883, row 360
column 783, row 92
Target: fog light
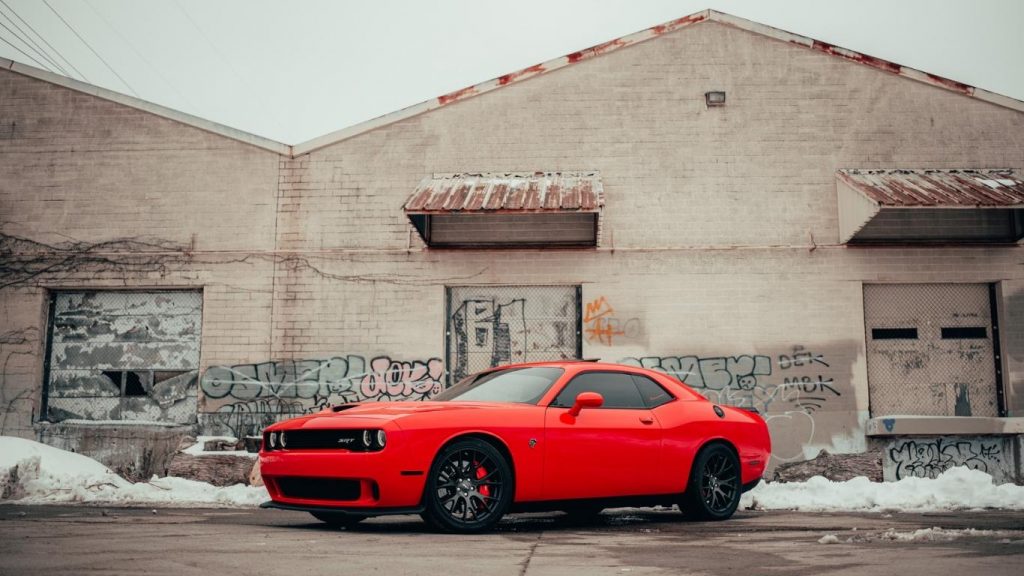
column 382, row 438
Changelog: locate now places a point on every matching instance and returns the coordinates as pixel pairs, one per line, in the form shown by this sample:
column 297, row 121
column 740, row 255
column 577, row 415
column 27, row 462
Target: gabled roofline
column 515, row 77
column 642, row 36
column 145, row 106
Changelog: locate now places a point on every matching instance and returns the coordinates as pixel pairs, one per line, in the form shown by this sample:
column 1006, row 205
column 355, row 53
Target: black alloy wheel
column 713, row 492
column 338, row 519
column 469, row 487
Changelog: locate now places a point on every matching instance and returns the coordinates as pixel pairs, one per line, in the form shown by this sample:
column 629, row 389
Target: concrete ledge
column 134, row 450
column 942, row 425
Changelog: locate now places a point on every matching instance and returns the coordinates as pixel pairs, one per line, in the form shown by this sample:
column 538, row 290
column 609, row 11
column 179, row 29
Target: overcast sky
column 296, row 70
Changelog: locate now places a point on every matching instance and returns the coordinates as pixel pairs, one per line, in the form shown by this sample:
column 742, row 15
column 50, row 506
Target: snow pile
column 199, row 448
column 955, row 489
column 936, row 534
column 34, row 473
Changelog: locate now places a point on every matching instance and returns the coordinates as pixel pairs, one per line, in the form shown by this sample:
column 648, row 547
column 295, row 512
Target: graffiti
column 244, row 398
column 928, row 458
column 390, row 380
column 786, row 389
column 494, row 325
column 602, row 326
column 800, row 357
column 745, row 380
column 714, row 373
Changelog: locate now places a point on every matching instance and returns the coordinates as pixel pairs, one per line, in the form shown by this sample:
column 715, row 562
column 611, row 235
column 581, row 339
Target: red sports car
column 573, row 436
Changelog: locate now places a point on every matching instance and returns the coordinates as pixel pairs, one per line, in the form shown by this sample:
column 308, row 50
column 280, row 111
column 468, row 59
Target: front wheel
column 713, row 492
column 469, row 488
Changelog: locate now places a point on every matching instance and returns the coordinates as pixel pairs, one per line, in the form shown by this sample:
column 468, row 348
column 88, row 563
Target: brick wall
column 719, row 237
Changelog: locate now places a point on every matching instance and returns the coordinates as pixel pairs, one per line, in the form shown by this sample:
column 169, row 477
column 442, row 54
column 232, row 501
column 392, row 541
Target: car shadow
column 628, row 519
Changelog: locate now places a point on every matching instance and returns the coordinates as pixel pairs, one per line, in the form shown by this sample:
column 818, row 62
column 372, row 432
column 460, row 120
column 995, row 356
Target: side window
column 618, row 390
column 652, row 392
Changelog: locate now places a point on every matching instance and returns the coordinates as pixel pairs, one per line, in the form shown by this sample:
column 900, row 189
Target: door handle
column 646, row 420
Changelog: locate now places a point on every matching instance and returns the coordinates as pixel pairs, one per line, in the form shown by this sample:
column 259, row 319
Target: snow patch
column 34, row 473
column 956, row 489
column 935, row 534
column 198, row 449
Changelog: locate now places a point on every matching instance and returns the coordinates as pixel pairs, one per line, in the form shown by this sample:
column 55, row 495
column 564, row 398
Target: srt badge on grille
column 345, row 440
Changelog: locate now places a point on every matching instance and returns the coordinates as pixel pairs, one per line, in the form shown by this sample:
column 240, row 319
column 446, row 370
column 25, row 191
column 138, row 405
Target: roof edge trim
column 501, row 81
column 641, row 36
column 146, row 106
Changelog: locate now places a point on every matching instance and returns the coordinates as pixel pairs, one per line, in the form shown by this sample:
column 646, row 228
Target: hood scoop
column 341, row 407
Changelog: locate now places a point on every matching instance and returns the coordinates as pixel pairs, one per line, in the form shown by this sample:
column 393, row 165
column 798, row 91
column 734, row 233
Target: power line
column 41, row 37
column 258, row 99
column 26, row 54
column 141, row 57
column 27, row 40
column 79, row 36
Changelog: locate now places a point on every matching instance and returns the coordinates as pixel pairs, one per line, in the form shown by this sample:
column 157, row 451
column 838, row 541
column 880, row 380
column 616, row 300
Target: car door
column 614, row 450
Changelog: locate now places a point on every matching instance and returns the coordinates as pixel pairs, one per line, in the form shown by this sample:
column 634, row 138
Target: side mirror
column 586, row 400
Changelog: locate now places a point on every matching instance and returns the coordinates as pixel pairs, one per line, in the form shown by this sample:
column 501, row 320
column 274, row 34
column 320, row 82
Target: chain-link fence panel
column 124, row 355
column 931, row 350
column 494, row 325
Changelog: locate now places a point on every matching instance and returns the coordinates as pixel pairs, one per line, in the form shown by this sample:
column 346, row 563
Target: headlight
column 273, row 440
column 282, row 440
column 367, row 438
column 382, row 438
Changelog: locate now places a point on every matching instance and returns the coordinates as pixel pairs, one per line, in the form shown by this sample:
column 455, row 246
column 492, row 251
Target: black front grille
column 319, row 488
column 347, row 439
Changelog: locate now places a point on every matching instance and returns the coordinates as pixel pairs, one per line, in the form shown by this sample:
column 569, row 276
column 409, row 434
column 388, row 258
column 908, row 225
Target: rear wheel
column 337, row 519
column 469, row 488
column 713, row 492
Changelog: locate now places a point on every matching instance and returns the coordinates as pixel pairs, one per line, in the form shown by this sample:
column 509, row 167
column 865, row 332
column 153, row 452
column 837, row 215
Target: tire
column 338, row 519
column 713, row 492
column 469, row 488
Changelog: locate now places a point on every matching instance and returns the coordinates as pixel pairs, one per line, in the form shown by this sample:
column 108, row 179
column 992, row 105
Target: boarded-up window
column 124, row 356
column 494, row 325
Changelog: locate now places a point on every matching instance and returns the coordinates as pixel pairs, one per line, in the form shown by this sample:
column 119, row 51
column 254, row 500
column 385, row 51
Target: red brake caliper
column 481, row 472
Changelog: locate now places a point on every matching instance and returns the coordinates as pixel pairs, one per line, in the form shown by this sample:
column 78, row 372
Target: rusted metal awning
column 930, row 205
column 508, row 209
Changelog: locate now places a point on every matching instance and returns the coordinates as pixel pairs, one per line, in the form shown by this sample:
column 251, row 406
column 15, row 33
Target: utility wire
column 256, row 93
column 27, row 40
column 41, row 37
column 141, row 57
column 26, row 54
column 79, row 36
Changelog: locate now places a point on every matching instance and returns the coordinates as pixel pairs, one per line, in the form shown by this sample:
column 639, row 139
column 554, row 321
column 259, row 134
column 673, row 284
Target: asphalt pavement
column 54, row 540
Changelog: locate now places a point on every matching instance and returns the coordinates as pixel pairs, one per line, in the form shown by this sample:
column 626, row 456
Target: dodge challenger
column 574, row 436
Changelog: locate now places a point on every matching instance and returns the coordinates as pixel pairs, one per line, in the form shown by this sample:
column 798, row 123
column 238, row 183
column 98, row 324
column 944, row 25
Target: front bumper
column 385, row 479
column 344, row 510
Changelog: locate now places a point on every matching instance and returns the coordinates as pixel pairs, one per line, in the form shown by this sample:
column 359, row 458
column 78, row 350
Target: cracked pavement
column 91, row 540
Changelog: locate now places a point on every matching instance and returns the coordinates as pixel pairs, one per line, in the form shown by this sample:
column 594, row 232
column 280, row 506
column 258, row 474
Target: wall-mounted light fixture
column 716, row 98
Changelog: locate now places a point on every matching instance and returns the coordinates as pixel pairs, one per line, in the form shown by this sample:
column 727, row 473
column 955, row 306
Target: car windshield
column 524, row 385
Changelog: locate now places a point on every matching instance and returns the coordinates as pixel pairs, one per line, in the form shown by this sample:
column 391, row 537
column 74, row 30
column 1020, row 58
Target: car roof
column 581, row 365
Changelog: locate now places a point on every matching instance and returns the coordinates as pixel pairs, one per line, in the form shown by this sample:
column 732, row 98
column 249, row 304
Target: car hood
column 376, row 413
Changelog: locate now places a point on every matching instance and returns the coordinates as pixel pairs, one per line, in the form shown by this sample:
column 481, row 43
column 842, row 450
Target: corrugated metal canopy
column 507, row 192
column 510, row 209
column 938, row 188
column 913, row 206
